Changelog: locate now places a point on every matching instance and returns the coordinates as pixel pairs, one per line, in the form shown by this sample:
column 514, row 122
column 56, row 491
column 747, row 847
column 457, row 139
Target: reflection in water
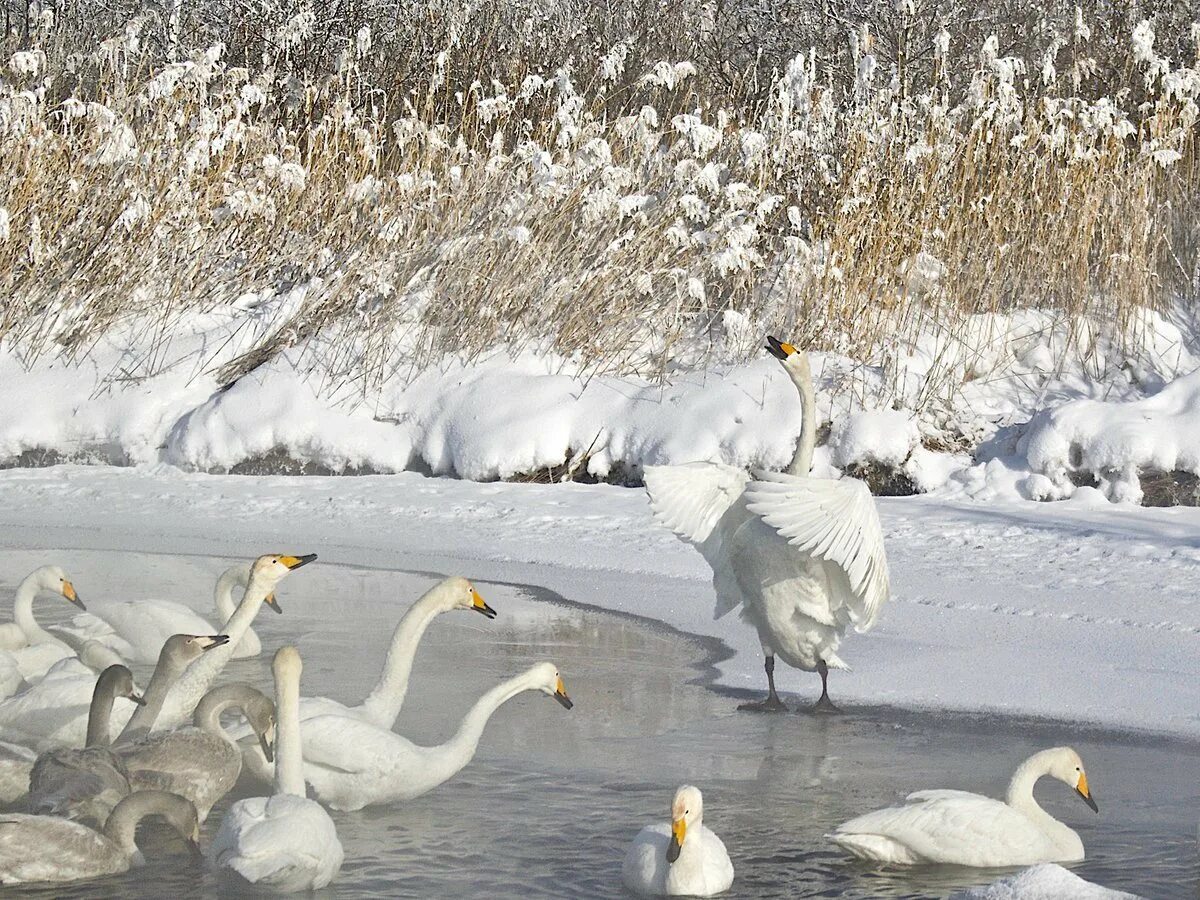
column 553, row 797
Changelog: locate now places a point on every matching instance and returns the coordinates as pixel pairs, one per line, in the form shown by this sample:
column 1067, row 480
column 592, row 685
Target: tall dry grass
column 620, row 210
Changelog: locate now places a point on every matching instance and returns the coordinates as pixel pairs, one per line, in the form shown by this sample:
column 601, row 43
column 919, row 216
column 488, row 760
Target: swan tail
column 836, row 662
column 874, row 848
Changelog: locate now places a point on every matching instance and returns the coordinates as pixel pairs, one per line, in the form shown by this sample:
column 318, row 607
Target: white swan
column 33, row 649
column 265, row 574
column 47, row 848
column 284, row 843
column 137, row 629
column 960, row 828
column 802, row 556
column 201, row 763
column 351, row 764
column 684, row 859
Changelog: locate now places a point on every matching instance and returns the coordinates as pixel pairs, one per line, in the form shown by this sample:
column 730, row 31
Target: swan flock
column 86, row 754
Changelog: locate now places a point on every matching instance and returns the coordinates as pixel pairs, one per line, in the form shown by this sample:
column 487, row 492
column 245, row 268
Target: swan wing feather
column 348, row 745
column 835, row 521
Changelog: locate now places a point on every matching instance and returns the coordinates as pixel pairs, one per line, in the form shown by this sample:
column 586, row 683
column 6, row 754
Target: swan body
column 683, row 859
column 965, row 829
column 16, row 762
column 802, row 557
column 137, row 629
column 47, row 848
column 351, row 764
column 54, row 711
column 202, row 762
column 284, row 843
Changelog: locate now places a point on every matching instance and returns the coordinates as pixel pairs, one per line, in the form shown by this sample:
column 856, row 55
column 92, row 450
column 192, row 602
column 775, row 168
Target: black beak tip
column 136, row 699
column 267, row 750
column 487, row 611
column 673, row 850
column 564, row 700
column 79, row 603
column 775, row 347
column 1090, row 801
column 304, row 560
column 217, row 641
column 275, row 607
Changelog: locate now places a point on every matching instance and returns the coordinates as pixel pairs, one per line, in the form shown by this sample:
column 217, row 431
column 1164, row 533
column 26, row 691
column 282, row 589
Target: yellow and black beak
column 216, row 640
column 481, row 606
column 273, row 602
column 1082, row 790
column 560, row 694
column 266, row 741
column 68, row 591
column 779, row 349
column 295, row 562
column 678, row 833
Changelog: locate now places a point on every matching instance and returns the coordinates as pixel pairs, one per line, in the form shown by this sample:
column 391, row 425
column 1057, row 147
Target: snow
column 885, row 436
column 1045, row 882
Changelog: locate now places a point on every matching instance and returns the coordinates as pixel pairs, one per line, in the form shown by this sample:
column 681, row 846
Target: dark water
column 553, row 797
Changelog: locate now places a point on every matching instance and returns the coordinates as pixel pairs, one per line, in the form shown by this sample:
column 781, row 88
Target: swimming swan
column 202, row 762
column 802, row 556
column 684, row 859
column 960, row 828
column 33, row 648
column 351, row 764
column 47, row 848
column 283, row 843
column 265, row 574
column 137, row 629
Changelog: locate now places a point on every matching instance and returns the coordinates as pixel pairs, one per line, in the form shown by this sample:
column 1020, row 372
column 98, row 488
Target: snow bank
column 1045, row 882
column 1114, row 441
column 885, row 437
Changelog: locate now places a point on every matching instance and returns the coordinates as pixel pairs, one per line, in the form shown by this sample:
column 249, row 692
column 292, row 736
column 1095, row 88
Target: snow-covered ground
column 1073, row 611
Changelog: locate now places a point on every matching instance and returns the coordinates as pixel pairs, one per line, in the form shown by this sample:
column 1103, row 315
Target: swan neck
column 223, row 594
column 459, row 750
column 121, row 827
column 801, row 374
column 289, row 761
column 1020, row 788
column 166, row 672
column 209, row 710
column 100, row 715
column 23, row 611
column 383, row 704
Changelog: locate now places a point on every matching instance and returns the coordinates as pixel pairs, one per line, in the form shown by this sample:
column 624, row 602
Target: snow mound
column 1045, row 882
column 883, row 436
column 1114, row 441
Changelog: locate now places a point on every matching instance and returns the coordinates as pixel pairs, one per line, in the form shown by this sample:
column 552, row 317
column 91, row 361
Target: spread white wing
column 832, row 520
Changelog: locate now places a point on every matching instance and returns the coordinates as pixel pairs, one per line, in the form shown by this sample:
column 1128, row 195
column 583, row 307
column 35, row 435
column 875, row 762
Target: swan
column 86, row 784
column 33, row 649
column 265, row 574
column 284, row 843
column 803, row 557
column 137, row 629
column 47, row 848
column 201, row 763
column 965, row 829
column 351, row 764
column 683, row 859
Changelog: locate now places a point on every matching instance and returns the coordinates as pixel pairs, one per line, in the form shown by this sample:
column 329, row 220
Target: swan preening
column 965, row 829
column 803, row 557
column 284, row 843
column 683, row 859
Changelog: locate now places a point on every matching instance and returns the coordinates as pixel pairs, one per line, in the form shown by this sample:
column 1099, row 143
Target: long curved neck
column 458, row 751
column 800, row 372
column 99, row 715
column 121, row 827
column 289, row 757
column 165, row 675
column 223, row 593
column 208, row 712
column 383, row 704
column 1020, row 789
column 23, row 611
column 199, row 676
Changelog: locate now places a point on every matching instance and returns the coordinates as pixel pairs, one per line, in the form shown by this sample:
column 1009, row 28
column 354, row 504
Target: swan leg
column 824, row 705
column 772, row 703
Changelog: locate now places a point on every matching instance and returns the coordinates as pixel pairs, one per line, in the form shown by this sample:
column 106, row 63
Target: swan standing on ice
column 351, row 764
column 284, row 843
column 965, row 829
column 47, row 848
column 33, row 649
column 137, row 629
column 803, row 557
column 203, row 762
column 683, row 860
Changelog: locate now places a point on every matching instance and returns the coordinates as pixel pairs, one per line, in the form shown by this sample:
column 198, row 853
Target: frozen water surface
column 552, row 798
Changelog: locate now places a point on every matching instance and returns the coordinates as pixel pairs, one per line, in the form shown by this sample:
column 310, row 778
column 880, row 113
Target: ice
column 1044, row 882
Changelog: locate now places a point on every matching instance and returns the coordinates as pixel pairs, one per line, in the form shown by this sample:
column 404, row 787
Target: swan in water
column 803, row 557
column 265, row 574
column 351, row 763
column 965, row 829
column 203, row 762
column 86, row 784
column 284, row 843
column 137, row 629
column 47, row 848
column 33, row 649
column 683, row 860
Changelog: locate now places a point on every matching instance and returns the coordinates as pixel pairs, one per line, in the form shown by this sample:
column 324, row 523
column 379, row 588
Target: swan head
column 54, row 580
column 286, row 663
column 793, row 358
column 1066, row 765
column 183, row 648
column 259, row 711
column 273, row 567
column 546, row 679
column 117, row 681
column 459, row 593
column 687, row 811
column 240, row 576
